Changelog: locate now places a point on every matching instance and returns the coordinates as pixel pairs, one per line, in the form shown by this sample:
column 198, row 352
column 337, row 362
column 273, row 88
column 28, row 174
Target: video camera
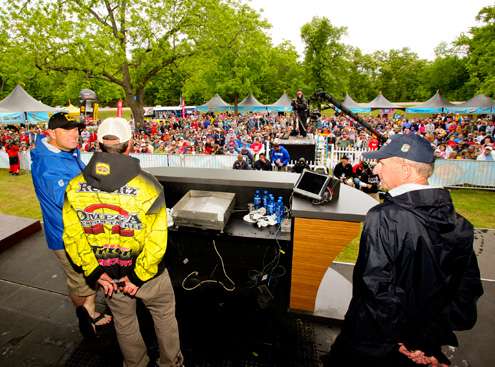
column 314, row 115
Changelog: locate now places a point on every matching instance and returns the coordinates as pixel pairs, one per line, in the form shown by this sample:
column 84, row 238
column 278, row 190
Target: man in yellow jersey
column 115, row 229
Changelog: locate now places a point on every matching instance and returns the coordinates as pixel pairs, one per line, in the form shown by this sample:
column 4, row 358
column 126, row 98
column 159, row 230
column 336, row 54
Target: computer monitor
column 312, row 184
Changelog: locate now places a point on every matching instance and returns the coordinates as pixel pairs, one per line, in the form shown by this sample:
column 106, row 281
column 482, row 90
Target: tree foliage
column 480, row 43
column 123, row 42
column 325, row 56
column 400, row 75
column 154, row 52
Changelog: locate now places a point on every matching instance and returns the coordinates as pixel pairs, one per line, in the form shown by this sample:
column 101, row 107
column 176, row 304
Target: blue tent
column 251, row 104
column 20, row 107
column 381, row 103
column 11, row 117
column 283, row 104
column 354, row 106
column 436, row 104
column 479, row 104
column 19, row 117
column 215, row 104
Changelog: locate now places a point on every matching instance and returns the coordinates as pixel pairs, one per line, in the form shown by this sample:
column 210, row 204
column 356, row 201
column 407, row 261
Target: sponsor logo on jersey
column 124, row 190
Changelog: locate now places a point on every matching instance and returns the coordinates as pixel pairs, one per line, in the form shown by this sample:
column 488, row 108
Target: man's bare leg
column 89, row 303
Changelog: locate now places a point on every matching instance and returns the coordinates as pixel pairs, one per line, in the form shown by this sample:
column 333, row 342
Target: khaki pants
column 75, row 281
column 158, row 297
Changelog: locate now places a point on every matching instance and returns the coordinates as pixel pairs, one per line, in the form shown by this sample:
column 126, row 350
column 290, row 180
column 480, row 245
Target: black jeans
column 301, row 126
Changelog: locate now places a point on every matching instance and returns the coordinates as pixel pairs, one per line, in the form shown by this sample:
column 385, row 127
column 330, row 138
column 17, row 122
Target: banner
column 119, row 108
column 183, row 105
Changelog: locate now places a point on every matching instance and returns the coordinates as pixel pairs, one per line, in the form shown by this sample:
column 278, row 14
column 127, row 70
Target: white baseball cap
column 116, row 126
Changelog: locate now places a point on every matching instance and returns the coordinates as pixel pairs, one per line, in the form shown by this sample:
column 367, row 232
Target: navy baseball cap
column 410, row 146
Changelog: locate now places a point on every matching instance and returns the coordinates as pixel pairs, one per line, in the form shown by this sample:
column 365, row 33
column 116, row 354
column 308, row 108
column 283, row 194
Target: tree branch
column 94, row 13
column 122, row 20
column 106, row 76
column 155, row 70
column 115, row 29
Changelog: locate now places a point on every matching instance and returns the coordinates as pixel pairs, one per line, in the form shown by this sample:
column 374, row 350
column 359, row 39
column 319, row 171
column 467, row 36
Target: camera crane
column 322, row 96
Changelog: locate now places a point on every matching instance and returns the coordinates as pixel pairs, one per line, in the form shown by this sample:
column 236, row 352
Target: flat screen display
column 311, row 184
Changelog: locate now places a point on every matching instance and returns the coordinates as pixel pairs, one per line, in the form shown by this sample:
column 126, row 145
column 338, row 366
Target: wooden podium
column 320, row 234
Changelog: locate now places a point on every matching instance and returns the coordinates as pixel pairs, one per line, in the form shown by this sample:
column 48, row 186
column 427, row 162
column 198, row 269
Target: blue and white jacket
column 51, row 170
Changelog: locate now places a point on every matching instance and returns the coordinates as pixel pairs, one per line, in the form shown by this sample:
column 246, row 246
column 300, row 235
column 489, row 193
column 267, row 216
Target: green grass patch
column 350, row 252
column 103, row 114
column 477, row 206
column 17, row 195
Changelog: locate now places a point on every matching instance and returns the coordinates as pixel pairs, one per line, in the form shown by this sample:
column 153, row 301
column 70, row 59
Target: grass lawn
column 103, row 114
column 17, row 198
column 17, row 195
column 478, row 206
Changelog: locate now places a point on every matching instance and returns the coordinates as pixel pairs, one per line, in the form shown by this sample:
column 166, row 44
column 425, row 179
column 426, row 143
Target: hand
column 107, row 284
column 418, row 357
column 129, row 288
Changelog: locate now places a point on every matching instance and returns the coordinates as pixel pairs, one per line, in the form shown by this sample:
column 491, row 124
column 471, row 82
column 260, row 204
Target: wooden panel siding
column 316, row 244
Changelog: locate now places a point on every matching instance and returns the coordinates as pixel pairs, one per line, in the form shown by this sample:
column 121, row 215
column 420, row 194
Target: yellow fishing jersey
column 115, row 220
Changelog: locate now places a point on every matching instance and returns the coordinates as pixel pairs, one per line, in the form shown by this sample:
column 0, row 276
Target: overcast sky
column 376, row 25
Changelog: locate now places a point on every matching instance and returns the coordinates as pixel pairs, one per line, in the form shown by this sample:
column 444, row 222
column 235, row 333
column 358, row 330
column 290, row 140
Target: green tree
column 325, row 56
column 448, row 73
column 284, row 73
column 363, row 75
column 123, row 42
column 18, row 66
column 234, row 63
column 400, row 74
column 480, row 45
column 242, row 60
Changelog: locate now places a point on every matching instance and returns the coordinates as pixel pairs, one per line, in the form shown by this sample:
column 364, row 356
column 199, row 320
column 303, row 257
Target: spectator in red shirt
column 13, row 153
column 373, row 143
column 256, row 146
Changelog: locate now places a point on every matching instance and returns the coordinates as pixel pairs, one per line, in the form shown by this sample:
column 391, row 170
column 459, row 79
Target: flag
column 183, row 105
column 119, row 108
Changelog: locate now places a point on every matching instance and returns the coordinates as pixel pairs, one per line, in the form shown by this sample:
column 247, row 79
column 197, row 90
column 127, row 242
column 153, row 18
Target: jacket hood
column 433, row 206
column 110, row 171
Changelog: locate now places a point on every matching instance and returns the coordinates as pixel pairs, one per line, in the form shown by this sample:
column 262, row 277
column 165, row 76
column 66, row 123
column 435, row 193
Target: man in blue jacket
column 55, row 161
column 279, row 156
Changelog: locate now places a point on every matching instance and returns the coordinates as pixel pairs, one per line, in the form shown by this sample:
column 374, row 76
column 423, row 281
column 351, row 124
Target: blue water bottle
column 280, row 208
column 270, row 209
column 265, row 199
column 257, row 200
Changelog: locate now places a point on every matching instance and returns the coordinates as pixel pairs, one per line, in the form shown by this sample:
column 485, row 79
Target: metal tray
column 204, row 209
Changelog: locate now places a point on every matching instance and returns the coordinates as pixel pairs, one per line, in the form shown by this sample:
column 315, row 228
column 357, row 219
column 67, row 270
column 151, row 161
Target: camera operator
column 300, row 108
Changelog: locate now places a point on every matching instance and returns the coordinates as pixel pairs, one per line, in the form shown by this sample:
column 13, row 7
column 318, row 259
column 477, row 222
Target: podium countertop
column 352, row 204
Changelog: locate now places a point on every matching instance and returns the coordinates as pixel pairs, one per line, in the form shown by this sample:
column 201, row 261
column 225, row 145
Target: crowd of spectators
column 454, row 137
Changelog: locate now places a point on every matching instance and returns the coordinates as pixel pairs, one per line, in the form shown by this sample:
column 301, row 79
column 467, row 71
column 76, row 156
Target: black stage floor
column 38, row 326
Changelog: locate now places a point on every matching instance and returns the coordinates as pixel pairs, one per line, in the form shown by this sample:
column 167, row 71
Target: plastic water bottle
column 257, row 200
column 280, row 210
column 270, row 208
column 265, row 199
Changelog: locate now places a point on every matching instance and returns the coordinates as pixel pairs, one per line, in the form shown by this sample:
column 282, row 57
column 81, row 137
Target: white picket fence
column 328, row 155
